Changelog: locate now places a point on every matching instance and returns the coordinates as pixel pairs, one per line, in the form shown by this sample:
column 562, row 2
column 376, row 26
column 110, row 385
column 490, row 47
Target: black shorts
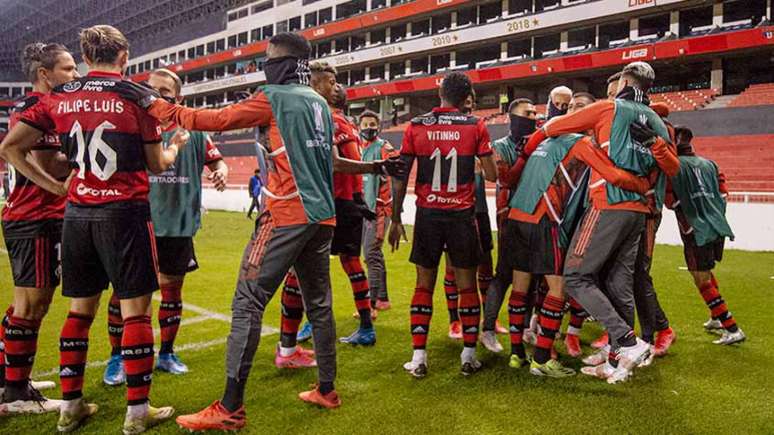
column 484, row 231
column 453, row 231
column 348, row 235
column 535, row 247
column 121, row 252
column 701, row 258
column 176, row 255
column 35, row 262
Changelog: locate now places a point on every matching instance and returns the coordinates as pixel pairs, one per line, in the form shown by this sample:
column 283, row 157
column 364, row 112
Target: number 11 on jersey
column 451, row 184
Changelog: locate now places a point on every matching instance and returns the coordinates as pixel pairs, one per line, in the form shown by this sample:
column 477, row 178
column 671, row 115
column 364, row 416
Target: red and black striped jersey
column 445, row 144
column 28, row 204
column 347, row 140
column 103, row 136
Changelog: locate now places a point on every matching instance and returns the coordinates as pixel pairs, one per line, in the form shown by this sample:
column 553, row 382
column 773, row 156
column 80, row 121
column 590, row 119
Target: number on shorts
column 96, row 144
column 451, row 184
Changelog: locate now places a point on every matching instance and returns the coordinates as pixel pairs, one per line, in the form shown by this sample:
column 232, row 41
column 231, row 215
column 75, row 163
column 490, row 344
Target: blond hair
column 164, row 72
column 102, row 43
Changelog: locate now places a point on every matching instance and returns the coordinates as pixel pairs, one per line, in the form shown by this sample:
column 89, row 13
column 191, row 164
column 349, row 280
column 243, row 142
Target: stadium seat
column 755, row 95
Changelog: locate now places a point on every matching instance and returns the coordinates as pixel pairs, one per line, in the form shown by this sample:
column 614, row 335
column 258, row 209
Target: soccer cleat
column 597, row 358
column 213, row 417
column 572, row 344
column 43, row 385
column 305, row 333
column 731, row 337
column 500, row 329
column 114, row 371
column 362, row 336
column 664, row 340
column 600, row 342
column 601, row 371
column 30, row 402
column 517, row 362
column 713, row 324
column 301, row 358
column 416, row 369
column 455, row 330
column 383, row 305
column 647, row 361
column 73, row 415
column 630, row 357
column 170, row 363
column 138, row 424
column 329, row 401
column 489, row 340
column 470, row 367
column 552, row 369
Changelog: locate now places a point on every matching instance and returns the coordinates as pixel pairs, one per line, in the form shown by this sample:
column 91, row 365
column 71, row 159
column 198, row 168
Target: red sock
column 421, row 312
column 170, row 313
column 452, row 295
column 550, row 319
column 21, row 344
column 470, row 314
column 3, row 325
column 292, row 311
column 484, row 278
column 717, row 306
column 517, row 308
column 577, row 316
column 115, row 324
column 359, row 282
column 137, row 353
column 73, row 349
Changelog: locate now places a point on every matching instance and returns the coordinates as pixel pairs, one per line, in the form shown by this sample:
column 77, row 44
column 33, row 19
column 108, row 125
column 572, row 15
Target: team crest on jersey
column 430, row 120
column 73, row 86
column 319, row 129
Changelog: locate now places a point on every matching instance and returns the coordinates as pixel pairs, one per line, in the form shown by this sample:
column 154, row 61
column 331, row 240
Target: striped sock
column 292, row 311
column 73, row 350
column 21, row 344
column 485, row 276
column 137, row 353
column 452, row 295
column 517, row 308
column 470, row 314
column 115, row 325
column 550, row 321
column 357, row 278
column 170, row 313
column 717, row 306
column 578, row 315
column 3, row 325
column 421, row 312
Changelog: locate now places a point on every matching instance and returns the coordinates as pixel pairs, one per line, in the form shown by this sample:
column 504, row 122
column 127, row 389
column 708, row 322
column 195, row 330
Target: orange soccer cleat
column 572, row 343
column 455, row 330
column 664, row 340
column 213, row 417
column 600, row 342
column 329, row 401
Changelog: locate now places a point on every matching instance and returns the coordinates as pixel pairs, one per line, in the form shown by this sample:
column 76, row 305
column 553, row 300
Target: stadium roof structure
column 148, row 24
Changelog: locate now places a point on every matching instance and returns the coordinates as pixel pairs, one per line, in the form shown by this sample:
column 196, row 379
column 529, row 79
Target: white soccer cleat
column 42, row 385
column 489, row 340
column 417, row 369
column 30, row 402
column 713, row 324
column 630, row 357
column 72, row 413
column 136, row 424
column 601, row 371
column 649, row 360
column 729, row 338
column 598, row 357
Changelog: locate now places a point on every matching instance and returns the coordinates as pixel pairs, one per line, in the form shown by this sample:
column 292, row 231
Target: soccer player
column 297, row 226
column 615, row 221
column 506, row 150
column 698, row 197
column 254, row 190
column 543, row 207
column 377, row 193
column 175, row 199
column 445, row 144
column 32, row 229
column 107, row 208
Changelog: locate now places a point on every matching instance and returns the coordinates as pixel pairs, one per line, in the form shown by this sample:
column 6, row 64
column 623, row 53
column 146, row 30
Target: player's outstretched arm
column 393, row 166
column 252, row 112
column 158, row 159
column 15, row 149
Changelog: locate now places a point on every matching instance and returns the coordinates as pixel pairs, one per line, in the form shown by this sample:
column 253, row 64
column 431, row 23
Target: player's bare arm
column 15, row 149
column 397, row 231
column 159, row 159
column 393, row 166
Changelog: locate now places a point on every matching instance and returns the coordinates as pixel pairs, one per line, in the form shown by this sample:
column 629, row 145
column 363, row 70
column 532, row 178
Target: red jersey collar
column 104, row 74
column 34, row 94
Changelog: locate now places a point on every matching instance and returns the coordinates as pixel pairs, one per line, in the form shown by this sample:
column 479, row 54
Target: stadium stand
column 745, row 159
column 755, row 95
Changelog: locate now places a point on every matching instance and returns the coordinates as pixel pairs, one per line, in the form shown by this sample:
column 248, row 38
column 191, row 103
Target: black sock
column 365, row 319
column 518, row 349
column 326, row 387
column 628, row 340
column 234, row 395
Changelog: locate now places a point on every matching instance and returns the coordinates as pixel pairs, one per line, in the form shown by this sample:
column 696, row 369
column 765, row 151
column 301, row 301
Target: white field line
column 205, row 315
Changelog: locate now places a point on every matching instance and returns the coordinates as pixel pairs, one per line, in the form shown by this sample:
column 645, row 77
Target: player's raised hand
column 180, row 138
column 642, row 134
column 396, row 233
column 218, row 179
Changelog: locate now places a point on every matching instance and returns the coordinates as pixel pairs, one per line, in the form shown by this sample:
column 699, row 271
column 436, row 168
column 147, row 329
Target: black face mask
column 286, row 70
column 521, row 126
column 554, row 111
column 169, row 100
column 369, row 134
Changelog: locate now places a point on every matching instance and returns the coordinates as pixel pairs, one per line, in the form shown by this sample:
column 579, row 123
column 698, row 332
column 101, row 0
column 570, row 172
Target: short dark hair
column 322, row 67
column 584, row 95
column 455, row 88
column 294, row 44
column 369, row 114
column 681, row 130
column 515, row 103
column 614, row 78
column 39, row 55
column 641, row 73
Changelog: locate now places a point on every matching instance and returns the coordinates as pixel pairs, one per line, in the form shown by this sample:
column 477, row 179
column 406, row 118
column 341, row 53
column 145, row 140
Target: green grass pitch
column 698, row 388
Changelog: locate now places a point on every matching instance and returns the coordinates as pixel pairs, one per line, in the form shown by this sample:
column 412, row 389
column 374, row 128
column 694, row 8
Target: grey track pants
column 374, row 257
column 605, row 244
column 495, row 294
column 268, row 256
